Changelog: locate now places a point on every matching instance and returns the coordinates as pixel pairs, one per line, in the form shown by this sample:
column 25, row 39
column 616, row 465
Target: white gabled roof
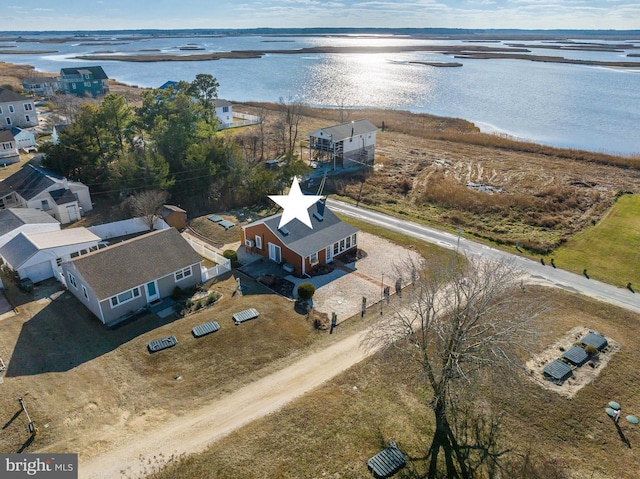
column 23, row 246
column 66, row 237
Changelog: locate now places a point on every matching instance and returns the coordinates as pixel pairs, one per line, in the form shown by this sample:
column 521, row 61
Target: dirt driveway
column 341, row 291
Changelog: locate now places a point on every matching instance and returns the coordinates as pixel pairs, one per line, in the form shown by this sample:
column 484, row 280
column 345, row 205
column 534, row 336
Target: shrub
column 590, row 350
column 232, row 256
column 177, row 293
column 212, row 297
column 306, row 291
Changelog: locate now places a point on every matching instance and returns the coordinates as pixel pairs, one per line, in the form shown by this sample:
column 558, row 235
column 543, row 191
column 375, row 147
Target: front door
column 275, row 254
column 152, row 291
column 329, row 252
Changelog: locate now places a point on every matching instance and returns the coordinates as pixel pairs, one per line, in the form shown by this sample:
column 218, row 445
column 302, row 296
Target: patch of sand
column 582, row 375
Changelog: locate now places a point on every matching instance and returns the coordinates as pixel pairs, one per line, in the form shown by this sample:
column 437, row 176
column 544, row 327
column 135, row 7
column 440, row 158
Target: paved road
column 542, row 274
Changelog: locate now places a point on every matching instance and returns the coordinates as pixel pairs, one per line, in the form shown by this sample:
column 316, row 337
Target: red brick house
column 298, row 245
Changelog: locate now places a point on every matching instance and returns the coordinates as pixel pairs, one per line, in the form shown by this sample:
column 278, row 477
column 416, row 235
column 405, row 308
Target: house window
column 85, row 292
column 341, row 246
column 87, row 84
column 28, row 107
column 75, row 254
column 348, row 242
column 72, row 280
column 58, row 261
column 45, row 205
column 7, row 146
column 313, row 259
column 73, row 85
column 11, row 110
column 0, row 110
column 8, row 120
column 335, row 249
column 353, row 239
column 183, row 273
column 225, row 109
column 258, row 242
column 27, row 119
column 125, row 297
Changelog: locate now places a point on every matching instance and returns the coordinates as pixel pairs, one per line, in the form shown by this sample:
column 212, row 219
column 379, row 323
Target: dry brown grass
column 79, row 377
column 332, row 431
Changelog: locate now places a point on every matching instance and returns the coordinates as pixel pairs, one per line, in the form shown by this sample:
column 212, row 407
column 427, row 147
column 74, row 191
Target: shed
column 576, row 355
column 557, row 370
column 387, row 462
column 174, row 216
column 596, row 340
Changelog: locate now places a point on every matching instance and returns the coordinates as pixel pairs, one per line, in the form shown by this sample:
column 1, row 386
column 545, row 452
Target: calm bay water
column 583, row 107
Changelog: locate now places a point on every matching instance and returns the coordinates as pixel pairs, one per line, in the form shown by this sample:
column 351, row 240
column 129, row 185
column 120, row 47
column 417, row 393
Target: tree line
column 172, row 143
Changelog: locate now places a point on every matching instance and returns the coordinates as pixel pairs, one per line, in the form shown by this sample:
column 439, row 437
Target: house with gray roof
column 16, row 110
column 39, row 256
column 299, row 246
column 14, row 221
column 121, row 279
column 350, row 145
column 40, row 86
column 84, row 81
column 8, row 148
column 34, row 187
column 24, row 139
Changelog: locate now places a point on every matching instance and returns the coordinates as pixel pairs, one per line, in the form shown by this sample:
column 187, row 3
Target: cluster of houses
column 115, row 280
column 18, row 112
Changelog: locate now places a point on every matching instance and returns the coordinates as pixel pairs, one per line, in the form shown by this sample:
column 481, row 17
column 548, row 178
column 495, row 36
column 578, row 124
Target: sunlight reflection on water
column 368, row 80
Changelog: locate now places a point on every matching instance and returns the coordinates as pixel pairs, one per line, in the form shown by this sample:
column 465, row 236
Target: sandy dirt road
column 195, row 431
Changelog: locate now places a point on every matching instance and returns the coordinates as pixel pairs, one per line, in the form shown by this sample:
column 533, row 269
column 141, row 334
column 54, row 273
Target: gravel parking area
column 341, row 291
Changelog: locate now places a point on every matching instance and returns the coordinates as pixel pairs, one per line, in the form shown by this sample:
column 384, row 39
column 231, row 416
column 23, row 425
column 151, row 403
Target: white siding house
column 346, row 146
column 24, row 139
column 8, row 148
column 16, row 110
column 224, row 111
column 39, row 256
column 33, row 187
column 14, row 221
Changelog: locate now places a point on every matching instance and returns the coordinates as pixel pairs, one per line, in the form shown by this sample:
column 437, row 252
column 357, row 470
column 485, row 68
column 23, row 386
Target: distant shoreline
column 458, row 51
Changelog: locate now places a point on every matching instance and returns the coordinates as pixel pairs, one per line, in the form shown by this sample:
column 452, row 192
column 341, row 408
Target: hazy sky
column 162, row 14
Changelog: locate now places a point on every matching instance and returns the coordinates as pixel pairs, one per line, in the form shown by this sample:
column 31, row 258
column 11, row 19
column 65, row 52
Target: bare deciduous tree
column 147, row 205
column 292, row 113
column 460, row 322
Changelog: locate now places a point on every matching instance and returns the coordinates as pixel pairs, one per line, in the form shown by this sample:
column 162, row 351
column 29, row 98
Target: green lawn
column 608, row 250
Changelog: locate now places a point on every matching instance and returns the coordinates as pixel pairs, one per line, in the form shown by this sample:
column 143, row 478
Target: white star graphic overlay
column 295, row 205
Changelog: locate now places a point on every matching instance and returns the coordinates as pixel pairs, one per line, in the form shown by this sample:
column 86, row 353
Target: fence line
column 223, row 265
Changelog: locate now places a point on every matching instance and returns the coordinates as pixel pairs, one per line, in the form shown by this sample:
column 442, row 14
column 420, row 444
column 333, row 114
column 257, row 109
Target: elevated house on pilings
column 348, row 146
